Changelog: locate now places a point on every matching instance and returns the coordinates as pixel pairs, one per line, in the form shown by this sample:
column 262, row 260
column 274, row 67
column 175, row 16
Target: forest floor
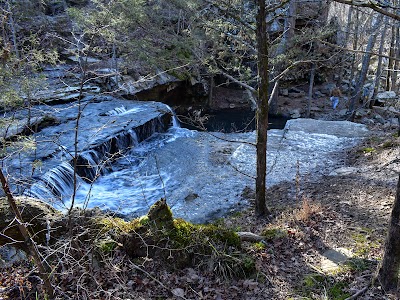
column 346, row 212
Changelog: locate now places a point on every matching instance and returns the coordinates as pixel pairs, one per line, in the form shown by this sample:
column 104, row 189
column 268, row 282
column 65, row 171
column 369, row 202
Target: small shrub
column 307, row 210
column 368, row 150
column 357, row 264
column 259, row 246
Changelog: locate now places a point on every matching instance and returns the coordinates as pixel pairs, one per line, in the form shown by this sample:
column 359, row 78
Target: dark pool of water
column 237, row 121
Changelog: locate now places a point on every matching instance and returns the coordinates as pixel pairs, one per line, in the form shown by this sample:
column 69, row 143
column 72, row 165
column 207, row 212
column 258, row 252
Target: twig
column 152, row 277
column 359, row 293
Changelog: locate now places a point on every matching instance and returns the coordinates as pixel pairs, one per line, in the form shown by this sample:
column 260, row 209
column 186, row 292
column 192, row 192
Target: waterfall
column 54, row 184
column 57, row 183
column 175, row 121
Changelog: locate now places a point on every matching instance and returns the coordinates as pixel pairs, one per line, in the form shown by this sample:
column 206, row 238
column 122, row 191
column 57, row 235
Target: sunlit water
column 202, row 176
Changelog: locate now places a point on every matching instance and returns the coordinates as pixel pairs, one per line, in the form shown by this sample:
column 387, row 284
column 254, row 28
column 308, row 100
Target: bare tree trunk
column 211, row 90
column 262, row 109
column 389, row 271
column 115, row 63
column 44, row 275
column 354, row 56
column 379, row 67
column 346, row 40
column 391, row 61
column 395, row 86
column 365, row 63
column 288, row 33
column 310, row 89
column 13, row 31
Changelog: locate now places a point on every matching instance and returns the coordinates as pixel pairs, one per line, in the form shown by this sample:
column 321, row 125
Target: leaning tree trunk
column 262, row 110
column 379, row 67
column 365, row 63
column 389, row 271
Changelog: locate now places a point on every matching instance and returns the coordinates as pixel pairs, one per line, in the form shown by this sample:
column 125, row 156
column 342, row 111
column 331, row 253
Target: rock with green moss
column 160, row 236
column 160, row 214
column 36, row 214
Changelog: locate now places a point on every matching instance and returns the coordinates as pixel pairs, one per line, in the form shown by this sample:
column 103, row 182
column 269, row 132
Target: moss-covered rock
column 160, row 214
column 35, row 213
column 186, row 244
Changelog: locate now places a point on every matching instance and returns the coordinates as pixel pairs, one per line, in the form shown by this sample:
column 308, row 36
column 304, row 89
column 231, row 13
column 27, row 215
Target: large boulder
column 36, row 215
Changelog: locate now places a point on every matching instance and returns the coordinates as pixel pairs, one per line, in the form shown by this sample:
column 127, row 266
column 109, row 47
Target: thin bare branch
column 372, row 5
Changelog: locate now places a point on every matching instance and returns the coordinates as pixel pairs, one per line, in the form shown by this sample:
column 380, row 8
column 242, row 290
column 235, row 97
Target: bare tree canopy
column 379, row 7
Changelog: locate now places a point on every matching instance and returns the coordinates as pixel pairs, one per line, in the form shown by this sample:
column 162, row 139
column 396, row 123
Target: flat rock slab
column 336, row 128
column 332, row 259
column 344, row 171
column 200, row 175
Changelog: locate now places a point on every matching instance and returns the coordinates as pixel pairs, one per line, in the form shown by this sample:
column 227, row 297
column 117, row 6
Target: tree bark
column 310, row 89
column 262, row 109
column 365, row 64
column 391, row 61
column 389, row 270
column 13, row 31
column 379, row 67
column 288, row 33
column 345, row 42
column 396, row 63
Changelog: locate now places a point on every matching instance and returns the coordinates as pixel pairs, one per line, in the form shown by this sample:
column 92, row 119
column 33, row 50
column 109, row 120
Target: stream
column 132, row 153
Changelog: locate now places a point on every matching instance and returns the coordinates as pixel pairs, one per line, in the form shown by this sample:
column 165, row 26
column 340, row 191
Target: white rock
column 344, row 171
column 10, row 255
column 178, row 292
column 333, row 258
column 386, row 95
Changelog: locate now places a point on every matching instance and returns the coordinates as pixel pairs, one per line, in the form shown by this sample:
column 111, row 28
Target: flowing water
column 129, row 157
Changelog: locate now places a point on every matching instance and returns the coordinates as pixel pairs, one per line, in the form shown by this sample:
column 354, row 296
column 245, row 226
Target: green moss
column 219, row 222
column 337, row 291
column 248, row 265
column 356, row 265
column 314, row 284
column 259, row 246
column 310, row 281
column 106, row 246
column 182, row 233
column 160, row 214
column 237, row 214
column 218, row 233
column 368, row 150
column 185, row 233
column 387, row 144
column 273, row 233
column 117, row 224
column 179, row 75
column 210, row 246
column 363, row 243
